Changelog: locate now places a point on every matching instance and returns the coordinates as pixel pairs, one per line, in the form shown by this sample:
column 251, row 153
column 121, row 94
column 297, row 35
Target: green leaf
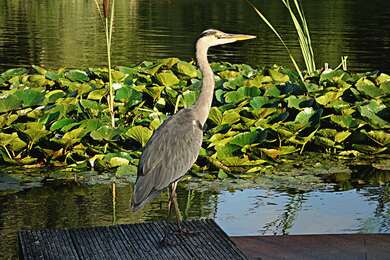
column 341, row 136
column 277, row 76
column 259, row 102
column 305, row 116
column 189, row 98
column 368, row 88
column 52, row 96
column 234, row 97
column 10, row 102
column 126, row 170
column 167, row 78
column 370, row 111
column 34, row 130
column 13, row 141
column 139, row 134
column 272, row 92
column 215, row 115
column 30, row 97
column 345, row 121
column 97, row 94
column 187, row 69
column 230, row 117
column 380, row 137
column 118, row 161
column 77, row 75
column 246, row 138
column 61, row 123
column 103, row 133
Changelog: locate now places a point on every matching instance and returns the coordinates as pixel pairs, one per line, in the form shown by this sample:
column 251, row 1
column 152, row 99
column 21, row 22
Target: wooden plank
column 205, row 240
column 341, row 246
column 46, row 244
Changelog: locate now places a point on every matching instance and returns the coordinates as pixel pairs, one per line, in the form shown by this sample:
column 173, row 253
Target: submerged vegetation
column 259, row 115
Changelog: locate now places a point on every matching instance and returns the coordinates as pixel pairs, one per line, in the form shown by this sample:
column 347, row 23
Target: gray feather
column 167, row 156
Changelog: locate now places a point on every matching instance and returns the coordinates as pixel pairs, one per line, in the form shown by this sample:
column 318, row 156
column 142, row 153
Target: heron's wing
column 168, row 155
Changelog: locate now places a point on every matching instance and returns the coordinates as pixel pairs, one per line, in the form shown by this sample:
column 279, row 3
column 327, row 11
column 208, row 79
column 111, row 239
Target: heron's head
column 212, row 37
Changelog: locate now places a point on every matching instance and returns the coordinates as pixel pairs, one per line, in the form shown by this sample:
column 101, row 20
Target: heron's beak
column 238, row 37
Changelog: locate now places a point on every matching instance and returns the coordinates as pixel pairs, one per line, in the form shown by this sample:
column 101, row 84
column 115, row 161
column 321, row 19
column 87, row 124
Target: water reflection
column 247, row 212
column 68, row 33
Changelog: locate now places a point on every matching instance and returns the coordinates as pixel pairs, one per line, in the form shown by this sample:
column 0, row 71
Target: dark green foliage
column 61, row 118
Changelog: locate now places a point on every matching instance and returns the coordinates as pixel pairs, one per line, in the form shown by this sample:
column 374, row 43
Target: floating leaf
column 259, row 102
column 246, row 138
column 230, row 117
column 346, row 121
column 118, row 161
column 368, row 88
column 9, row 103
column 61, row 123
column 77, row 75
column 140, row 134
column 215, row 115
column 277, row 76
column 167, row 78
column 103, row 133
column 53, row 95
column 97, row 94
column 187, row 69
column 305, row 116
column 370, row 111
column 341, row 136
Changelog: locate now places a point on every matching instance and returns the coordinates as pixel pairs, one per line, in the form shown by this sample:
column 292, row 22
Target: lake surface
column 57, row 33
column 252, row 211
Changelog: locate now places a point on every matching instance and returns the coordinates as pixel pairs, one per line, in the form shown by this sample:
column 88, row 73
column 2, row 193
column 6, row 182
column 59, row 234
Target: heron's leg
column 179, row 217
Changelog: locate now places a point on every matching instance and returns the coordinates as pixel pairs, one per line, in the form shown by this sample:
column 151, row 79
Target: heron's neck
column 203, row 104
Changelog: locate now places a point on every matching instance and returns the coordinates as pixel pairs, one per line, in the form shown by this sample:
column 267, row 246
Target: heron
column 175, row 145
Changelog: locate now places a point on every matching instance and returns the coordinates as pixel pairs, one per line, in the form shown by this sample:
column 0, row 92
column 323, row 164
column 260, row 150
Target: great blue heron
column 175, row 145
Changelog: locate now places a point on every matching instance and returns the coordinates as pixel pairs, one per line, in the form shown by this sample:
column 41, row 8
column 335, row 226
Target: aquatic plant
column 259, row 115
column 107, row 16
column 298, row 17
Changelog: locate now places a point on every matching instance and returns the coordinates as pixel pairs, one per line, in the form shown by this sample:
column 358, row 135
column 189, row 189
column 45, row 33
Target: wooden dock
column 208, row 241
column 136, row 241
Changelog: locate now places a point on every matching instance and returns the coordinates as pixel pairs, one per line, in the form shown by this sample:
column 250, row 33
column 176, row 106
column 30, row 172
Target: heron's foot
column 173, row 238
column 186, row 232
column 169, row 239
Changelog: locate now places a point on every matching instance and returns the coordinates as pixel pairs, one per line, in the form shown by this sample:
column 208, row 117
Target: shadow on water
column 358, row 202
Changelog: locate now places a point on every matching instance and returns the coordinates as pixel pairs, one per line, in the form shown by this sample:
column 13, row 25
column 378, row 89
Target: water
column 251, row 211
column 58, row 33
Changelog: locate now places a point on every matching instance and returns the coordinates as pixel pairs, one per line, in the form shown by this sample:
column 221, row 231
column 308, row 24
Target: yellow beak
column 239, row 37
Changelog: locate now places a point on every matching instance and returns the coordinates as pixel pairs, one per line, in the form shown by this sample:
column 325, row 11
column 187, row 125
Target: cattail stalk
column 107, row 16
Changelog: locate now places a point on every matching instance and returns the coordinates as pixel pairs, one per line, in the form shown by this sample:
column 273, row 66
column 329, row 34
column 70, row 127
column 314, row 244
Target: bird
column 175, row 145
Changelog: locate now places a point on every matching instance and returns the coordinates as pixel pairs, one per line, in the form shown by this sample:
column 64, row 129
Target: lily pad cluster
column 259, row 115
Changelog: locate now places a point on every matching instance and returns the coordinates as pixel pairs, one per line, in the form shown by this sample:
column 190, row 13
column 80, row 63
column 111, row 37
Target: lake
column 63, row 33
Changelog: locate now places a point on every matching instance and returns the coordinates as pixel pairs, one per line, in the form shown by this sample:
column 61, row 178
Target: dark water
column 249, row 211
column 67, row 33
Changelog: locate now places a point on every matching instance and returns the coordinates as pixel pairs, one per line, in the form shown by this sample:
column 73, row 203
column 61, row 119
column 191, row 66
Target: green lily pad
column 77, row 75
column 167, row 78
column 345, row 121
column 370, row 111
column 103, row 133
column 187, row 69
column 139, row 134
column 368, row 88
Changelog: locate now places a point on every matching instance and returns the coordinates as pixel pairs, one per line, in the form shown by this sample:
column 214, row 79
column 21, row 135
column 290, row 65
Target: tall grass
column 300, row 24
column 107, row 16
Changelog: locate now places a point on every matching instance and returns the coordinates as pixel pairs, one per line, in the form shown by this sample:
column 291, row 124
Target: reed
column 300, row 24
column 107, row 16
